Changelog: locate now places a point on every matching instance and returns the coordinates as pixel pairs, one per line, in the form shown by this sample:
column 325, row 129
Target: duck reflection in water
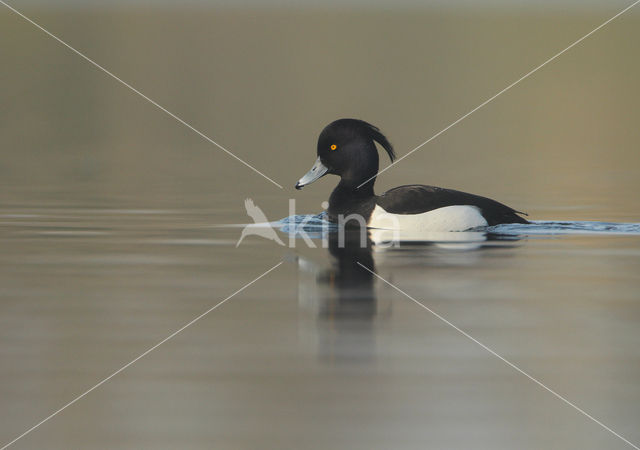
column 349, row 280
column 343, row 297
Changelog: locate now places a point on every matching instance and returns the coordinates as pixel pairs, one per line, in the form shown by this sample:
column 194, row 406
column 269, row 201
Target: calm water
column 111, row 233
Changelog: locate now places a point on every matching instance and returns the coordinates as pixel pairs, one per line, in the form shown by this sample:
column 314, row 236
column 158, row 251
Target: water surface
column 111, row 236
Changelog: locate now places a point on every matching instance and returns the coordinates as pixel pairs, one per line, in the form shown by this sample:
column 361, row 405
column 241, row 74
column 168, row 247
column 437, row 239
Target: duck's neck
column 347, row 198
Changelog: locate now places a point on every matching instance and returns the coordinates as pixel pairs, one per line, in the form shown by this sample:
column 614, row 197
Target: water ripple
column 566, row 227
column 319, row 223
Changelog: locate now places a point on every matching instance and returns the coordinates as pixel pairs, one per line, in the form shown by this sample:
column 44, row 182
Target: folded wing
column 417, row 199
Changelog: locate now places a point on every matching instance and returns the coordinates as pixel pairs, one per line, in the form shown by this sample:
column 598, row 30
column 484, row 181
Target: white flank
column 449, row 218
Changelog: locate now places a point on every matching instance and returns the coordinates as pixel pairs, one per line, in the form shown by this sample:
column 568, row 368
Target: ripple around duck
column 318, row 223
column 566, row 227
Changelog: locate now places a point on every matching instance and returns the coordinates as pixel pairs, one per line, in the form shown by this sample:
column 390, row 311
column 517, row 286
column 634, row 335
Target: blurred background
column 109, row 208
column 263, row 78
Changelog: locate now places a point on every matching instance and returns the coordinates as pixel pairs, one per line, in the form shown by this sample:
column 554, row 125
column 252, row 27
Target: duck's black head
column 346, row 148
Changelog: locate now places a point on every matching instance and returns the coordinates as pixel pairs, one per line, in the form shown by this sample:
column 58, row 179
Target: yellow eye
column 334, row 146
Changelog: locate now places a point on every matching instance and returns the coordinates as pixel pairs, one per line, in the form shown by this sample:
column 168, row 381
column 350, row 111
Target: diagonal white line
column 124, row 83
column 509, row 363
column 502, row 91
column 133, row 361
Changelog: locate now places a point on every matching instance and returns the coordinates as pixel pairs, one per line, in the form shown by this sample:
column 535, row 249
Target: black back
column 418, row 198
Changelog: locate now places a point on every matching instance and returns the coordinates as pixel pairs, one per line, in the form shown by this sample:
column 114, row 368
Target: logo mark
column 262, row 227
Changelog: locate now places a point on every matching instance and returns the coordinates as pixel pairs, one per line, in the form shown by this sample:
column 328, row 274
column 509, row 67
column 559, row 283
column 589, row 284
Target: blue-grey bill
column 317, row 171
